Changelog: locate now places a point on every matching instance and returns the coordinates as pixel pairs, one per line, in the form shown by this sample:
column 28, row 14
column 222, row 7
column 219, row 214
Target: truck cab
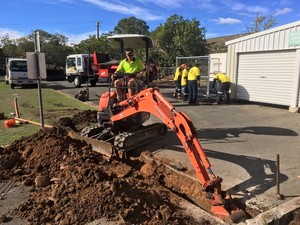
column 16, row 73
column 78, row 69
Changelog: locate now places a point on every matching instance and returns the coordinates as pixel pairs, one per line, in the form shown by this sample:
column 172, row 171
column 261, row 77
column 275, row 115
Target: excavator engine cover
column 106, row 100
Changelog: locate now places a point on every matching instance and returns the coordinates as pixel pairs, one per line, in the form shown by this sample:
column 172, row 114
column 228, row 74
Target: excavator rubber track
column 126, row 140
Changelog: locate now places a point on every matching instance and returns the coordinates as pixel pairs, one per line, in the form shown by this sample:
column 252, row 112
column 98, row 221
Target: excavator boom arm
column 151, row 100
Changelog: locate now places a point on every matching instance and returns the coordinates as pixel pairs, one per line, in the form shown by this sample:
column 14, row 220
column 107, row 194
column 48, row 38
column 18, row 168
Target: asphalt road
column 95, row 92
column 242, row 142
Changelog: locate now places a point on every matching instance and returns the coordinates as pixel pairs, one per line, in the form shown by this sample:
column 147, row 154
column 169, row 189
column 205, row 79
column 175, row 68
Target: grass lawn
column 55, row 106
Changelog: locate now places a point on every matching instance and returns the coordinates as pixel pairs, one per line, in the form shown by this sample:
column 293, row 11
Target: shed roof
column 286, row 26
column 223, row 39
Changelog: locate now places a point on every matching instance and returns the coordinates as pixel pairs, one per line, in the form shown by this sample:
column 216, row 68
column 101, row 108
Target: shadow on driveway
column 259, row 180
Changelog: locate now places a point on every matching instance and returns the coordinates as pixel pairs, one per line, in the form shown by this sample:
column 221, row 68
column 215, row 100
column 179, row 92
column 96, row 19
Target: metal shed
column 265, row 66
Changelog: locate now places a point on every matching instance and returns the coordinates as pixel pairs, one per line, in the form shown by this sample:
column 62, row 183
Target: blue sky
column 77, row 19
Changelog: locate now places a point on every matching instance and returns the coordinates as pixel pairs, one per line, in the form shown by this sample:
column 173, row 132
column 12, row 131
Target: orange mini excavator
column 121, row 128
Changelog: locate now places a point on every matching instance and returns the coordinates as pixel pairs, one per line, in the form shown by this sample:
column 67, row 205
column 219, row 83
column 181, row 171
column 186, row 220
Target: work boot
column 228, row 98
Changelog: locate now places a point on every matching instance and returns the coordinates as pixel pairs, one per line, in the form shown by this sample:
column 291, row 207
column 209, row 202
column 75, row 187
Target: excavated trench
column 71, row 184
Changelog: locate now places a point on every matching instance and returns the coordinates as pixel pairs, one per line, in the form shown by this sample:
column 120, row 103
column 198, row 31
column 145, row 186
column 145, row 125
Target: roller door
column 299, row 98
column 266, row 77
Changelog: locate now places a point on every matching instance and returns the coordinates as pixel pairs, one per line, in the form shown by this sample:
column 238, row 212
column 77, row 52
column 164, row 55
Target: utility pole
column 97, row 26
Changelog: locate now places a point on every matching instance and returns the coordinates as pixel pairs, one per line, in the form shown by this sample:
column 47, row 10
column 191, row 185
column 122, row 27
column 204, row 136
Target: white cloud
column 237, row 6
column 227, row 20
column 126, row 9
column 257, row 9
column 57, row 2
column 164, row 3
column 244, row 9
column 73, row 38
column 285, row 2
column 205, row 4
column 12, row 34
column 77, row 38
column 282, row 11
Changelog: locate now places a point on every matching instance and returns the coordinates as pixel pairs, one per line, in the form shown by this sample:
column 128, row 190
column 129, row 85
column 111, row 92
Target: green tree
column 25, row 44
column 93, row 44
column 216, row 48
column 131, row 25
column 54, row 46
column 179, row 37
column 261, row 23
column 47, row 38
column 2, row 62
column 10, row 47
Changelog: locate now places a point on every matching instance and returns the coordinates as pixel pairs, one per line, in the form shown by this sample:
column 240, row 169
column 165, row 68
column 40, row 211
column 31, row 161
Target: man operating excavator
column 130, row 66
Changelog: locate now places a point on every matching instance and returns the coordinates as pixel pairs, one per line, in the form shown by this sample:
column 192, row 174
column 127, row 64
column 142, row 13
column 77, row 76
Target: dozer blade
column 99, row 146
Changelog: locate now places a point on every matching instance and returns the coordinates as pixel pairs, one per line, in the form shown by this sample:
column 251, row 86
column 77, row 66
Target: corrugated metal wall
column 270, row 40
column 299, row 98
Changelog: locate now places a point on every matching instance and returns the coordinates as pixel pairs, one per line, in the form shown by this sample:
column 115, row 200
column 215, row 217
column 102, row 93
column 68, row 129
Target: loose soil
column 71, row 184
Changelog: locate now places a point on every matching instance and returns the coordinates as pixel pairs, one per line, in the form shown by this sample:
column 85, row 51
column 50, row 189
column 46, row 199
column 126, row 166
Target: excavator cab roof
column 134, row 41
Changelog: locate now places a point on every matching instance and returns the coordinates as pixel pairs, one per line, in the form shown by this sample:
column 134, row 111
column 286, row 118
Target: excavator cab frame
column 135, row 41
column 121, row 42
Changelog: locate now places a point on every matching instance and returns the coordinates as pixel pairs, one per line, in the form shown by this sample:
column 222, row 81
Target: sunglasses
column 129, row 55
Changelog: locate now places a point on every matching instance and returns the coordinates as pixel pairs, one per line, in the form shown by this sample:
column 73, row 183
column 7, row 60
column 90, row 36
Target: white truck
column 16, row 73
column 78, row 69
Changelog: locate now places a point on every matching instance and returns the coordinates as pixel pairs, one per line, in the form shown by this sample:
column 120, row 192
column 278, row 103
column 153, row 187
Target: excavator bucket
column 238, row 216
column 99, row 146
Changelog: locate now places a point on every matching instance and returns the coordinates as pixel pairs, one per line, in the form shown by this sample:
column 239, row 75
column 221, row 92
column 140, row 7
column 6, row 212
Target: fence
column 204, row 63
column 167, row 72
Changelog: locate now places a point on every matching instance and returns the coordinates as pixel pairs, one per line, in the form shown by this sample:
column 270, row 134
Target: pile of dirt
column 78, row 121
column 71, row 184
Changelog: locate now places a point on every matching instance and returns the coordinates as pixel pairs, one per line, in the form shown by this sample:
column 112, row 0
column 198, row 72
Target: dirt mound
column 71, row 184
column 79, row 120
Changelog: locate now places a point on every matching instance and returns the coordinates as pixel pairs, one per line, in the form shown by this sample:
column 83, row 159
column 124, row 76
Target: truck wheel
column 77, row 81
column 93, row 83
column 69, row 79
column 12, row 86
